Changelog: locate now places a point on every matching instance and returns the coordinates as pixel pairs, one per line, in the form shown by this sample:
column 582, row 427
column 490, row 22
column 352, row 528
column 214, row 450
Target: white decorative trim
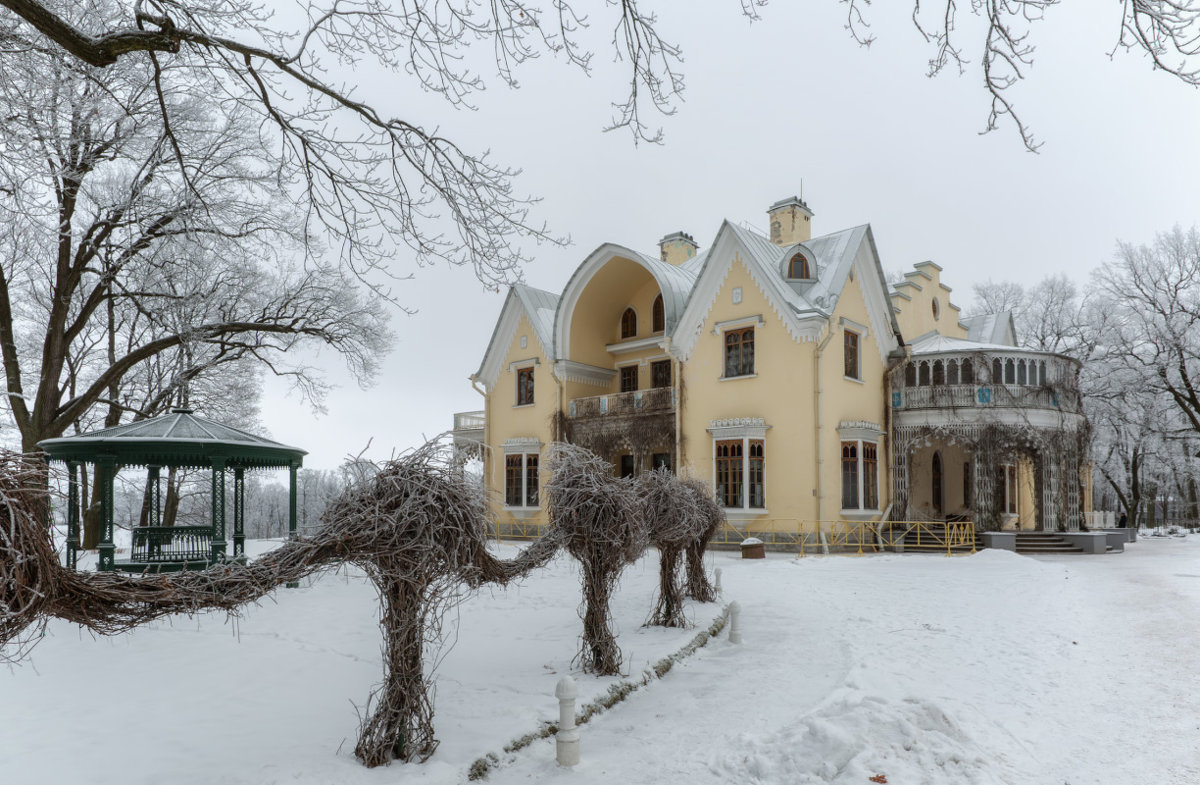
column 744, row 513
column 528, row 362
column 571, row 371
column 731, row 324
column 625, row 347
column 739, row 428
column 736, row 378
column 864, row 430
column 854, row 326
column 522, row 444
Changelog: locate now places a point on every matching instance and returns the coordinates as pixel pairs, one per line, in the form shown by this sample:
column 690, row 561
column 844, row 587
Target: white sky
column 767, row 105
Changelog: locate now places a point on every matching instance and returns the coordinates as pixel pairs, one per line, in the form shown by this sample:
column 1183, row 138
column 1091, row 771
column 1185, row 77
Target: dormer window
column 798, row 267
column 656, row 315
column 629, row 324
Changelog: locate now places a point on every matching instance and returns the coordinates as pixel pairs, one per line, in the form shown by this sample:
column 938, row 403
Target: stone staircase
column 1044, row 542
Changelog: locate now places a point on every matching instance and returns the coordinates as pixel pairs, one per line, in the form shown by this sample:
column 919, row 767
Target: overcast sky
column 770, row 105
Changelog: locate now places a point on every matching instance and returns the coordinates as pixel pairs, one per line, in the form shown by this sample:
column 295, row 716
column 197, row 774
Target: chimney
column 677, row 248
column 790, row 221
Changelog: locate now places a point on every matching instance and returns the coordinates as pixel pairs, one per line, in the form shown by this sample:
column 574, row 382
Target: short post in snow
column 567, row 741
column 735, row 622
column 717, row 583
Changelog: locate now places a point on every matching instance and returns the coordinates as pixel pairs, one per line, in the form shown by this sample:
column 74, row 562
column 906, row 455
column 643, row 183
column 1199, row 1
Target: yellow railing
column 808, row 538
column 516, row 530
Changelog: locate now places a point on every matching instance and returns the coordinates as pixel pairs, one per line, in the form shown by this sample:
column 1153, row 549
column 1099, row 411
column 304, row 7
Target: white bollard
column 567, row 741
column 735, row 622
column 717, row 584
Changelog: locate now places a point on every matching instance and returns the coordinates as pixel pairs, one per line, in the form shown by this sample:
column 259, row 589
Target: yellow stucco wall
column 916, row 315
column 506, row 420
column 783, row 392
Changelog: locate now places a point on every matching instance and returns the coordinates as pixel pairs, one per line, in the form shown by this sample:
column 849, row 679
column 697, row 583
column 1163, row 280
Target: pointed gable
column 537, row 306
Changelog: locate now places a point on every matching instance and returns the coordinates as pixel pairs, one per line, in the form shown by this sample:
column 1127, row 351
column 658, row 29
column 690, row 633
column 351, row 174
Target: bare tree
column 1166, row 31
column 135, row 260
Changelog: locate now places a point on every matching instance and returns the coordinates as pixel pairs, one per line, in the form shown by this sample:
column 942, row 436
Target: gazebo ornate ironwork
column 176, row 440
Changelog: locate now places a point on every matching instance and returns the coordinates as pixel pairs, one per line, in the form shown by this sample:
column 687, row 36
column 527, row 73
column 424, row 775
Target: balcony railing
column 468, row 421
column 954, row 396
column 653, row 401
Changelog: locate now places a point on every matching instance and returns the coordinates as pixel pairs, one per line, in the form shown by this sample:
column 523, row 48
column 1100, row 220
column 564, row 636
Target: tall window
column 741, row 468
column 966, row 484
column 739, row 352
column 629, row 378
column 658, row 323
column 798, row 267
column 524, row 386
column 870, row 462
column 660, row 373
column 937, row 482
column 626, row 466
column 851, row 351
column 860, row 475
column 1008, row 480
column 660, row 460
column 629, row 324
column 521, row 480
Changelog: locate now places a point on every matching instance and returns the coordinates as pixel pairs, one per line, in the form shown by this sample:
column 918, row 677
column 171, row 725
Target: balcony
column 468, row 429
column 961, row 396
column 658, row 400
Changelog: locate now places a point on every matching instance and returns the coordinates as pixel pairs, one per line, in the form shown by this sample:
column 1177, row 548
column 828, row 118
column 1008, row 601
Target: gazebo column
column 239, row 513
column 983, row 492
column 218, row 509
column 72, row 514
column 901, row 457
column 292, row 510
column 1071, row 471
column 106, row 466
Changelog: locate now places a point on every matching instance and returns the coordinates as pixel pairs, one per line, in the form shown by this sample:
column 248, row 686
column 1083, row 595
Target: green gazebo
column 176, row 440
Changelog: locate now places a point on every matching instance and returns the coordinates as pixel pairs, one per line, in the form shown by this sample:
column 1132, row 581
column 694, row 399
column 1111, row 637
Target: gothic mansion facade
column 784, row 370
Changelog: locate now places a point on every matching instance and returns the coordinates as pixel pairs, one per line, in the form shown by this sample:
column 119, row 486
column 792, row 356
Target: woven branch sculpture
column 678, row 521
column 416, row 527
column 600, row 522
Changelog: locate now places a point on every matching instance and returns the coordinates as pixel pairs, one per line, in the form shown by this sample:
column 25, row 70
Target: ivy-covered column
column 106, row 466
column 1071, row 513
column 901, row 455
column 1051, row 491
column 218, row 509
column 984, row 492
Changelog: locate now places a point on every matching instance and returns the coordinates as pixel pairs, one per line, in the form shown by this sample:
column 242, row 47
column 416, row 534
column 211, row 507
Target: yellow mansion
column 784, row 369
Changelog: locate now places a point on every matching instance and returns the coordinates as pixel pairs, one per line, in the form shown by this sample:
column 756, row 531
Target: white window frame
column 746, row 430
column 524, row 448
column 1012, row 493
column 861, row 433
column 514, row 368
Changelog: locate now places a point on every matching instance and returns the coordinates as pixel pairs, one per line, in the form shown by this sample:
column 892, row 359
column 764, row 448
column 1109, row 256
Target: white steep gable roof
column 994, row 328
column 804, row 306
column 538, row 305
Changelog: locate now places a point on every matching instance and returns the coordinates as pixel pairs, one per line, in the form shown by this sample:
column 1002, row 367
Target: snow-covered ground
column 993, row 668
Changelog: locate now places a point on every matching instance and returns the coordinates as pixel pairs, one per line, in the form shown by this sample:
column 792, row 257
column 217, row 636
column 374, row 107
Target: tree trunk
column 401, row 725
column 668, row 611
column 600, row 654
column 171, row 503
column 698, row 586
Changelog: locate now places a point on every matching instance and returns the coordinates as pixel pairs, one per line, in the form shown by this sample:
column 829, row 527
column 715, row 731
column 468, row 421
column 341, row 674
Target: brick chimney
column 791, row 221
column 677, row 248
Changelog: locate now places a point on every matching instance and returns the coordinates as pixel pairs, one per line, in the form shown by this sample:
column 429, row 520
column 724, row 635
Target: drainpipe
column 819, row 448
column 676, row 382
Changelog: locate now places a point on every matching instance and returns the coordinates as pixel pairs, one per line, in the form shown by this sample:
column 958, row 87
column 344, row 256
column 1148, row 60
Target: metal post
column 155, row 497
column 717, row 582
column 218, row 510
column 239, row 513
column 735, row 622
column 567, row 740
column 107, row 467
column 72, row 514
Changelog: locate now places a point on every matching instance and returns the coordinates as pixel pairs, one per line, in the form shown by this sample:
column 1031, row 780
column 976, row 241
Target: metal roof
column 177, row 439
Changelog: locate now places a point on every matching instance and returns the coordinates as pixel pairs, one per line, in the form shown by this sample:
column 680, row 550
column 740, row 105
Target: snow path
column 993, row 668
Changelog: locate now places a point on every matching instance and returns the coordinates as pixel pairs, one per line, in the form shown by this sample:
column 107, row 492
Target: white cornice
column 571, row 371
column 625, row 347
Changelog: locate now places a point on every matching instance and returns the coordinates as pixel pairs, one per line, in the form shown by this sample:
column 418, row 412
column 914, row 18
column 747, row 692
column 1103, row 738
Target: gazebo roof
column 178, row 439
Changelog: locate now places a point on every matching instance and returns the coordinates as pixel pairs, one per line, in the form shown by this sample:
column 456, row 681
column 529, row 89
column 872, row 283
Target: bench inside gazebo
column 179, row 440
